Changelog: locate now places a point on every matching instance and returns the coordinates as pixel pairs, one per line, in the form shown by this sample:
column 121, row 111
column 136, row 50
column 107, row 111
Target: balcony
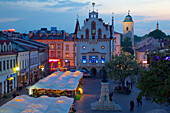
column 92, row 64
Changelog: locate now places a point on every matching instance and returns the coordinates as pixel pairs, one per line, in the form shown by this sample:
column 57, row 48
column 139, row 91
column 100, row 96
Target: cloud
column 8, row 19
column 67, row 3
column 47, row 5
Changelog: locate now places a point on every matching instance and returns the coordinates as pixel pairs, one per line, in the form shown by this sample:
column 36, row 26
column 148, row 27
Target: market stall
column 43, row 104
column 58, row 84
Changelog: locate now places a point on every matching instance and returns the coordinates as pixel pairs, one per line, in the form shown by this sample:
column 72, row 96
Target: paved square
column 91, row 94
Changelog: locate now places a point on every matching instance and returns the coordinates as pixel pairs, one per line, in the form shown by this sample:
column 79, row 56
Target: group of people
column 139, row 102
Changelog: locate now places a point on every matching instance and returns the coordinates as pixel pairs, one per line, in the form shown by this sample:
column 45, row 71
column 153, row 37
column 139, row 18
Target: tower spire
column 157, row 26
column 77, row 17
column 93, row 5
column 112, row 18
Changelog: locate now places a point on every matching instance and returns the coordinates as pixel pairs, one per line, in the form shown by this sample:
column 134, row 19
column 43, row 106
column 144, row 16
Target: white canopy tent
column 43, row 104
column 58, row 81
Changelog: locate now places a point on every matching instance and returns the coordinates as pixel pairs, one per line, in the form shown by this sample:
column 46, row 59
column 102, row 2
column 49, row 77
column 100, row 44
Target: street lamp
column 17, row 69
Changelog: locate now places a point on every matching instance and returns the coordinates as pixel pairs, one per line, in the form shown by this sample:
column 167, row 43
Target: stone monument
column 104, row 103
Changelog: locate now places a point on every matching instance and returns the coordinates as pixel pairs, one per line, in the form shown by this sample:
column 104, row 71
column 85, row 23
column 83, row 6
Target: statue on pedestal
column 104, row 79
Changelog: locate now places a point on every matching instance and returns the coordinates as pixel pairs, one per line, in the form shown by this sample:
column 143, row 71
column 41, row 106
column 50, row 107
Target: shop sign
column 12, row 75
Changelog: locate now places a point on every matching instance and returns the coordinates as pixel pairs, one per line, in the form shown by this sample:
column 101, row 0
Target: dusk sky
column 28, row 15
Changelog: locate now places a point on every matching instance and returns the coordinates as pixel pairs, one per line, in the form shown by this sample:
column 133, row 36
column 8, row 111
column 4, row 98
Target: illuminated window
column 103, row 59
column 102, row 47
column 67, row 55
column 58, row 46
column 93, row 59
column 67, row 47
column 84, row 47
column 84, row 59
column 52, row 46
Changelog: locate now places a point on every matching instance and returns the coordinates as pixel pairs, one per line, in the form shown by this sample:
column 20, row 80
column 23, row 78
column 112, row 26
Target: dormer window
column 10, row 48
column 4, row 47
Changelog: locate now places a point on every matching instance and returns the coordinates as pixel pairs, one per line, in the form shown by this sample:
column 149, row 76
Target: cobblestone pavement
column 91, row 94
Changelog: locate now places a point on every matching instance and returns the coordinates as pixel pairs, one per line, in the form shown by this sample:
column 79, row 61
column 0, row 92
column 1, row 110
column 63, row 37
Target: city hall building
column 94, row 43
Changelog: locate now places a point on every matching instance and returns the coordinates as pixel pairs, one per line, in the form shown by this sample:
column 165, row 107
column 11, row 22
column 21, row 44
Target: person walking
column 110, row 96
column 132, row 105
column 139, row 100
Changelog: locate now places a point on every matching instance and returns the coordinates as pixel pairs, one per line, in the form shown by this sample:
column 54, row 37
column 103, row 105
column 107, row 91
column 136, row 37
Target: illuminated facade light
column 145, row 62
column 17, row 68
column 54, row 60
column 81, row 91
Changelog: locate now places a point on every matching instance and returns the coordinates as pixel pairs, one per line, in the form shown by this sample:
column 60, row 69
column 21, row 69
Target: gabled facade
column 93, row 44
column 8, row 76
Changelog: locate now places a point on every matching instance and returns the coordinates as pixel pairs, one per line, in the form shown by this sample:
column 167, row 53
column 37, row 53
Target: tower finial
column 112, row 18
column 77, row 17
column 128, row 12
column 93, row 5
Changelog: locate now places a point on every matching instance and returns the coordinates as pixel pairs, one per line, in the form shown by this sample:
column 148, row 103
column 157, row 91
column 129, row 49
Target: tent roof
column 43, row 104
column 59, row 81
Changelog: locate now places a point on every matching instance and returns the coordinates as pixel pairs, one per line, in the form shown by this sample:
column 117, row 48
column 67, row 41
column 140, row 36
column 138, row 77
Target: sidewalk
column 20, row 92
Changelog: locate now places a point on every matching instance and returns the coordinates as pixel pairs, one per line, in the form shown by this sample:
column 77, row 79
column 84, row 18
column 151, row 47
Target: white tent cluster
column 43, row 104
column 58, row 81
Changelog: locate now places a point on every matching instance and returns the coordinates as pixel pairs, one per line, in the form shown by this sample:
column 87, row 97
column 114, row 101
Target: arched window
column 93, row 28
column 4, row 47
column 127, row 28
column 104, row 36
column 87, row 33
column 81, row 36
column 99, row 33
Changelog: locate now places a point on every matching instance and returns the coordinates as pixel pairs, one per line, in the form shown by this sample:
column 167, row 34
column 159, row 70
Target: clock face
column 93, row 31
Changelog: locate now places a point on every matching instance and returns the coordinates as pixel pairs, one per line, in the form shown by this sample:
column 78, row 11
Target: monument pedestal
column 104, row 103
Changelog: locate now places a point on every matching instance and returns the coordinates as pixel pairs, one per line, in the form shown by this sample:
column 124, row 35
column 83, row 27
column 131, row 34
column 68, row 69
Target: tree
column 157, row 34
column 137, row 38
column 155, row 83
column 127, row 45
column 121, row 67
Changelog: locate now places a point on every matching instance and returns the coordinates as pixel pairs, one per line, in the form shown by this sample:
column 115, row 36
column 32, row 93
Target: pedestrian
column 127, row 83
column 14, row 95
column 110, row 96
column 132, row 105
column 139, row 100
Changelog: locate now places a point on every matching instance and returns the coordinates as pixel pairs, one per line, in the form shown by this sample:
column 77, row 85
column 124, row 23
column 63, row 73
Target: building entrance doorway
column 93, row 72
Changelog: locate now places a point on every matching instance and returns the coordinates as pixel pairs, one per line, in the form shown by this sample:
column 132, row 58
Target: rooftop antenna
column 93, row 5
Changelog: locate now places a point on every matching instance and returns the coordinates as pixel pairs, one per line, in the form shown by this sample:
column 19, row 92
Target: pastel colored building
column 93, row 43
column 8, row 58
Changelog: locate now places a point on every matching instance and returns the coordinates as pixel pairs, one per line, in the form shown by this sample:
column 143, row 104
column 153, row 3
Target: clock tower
column 128, row 28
